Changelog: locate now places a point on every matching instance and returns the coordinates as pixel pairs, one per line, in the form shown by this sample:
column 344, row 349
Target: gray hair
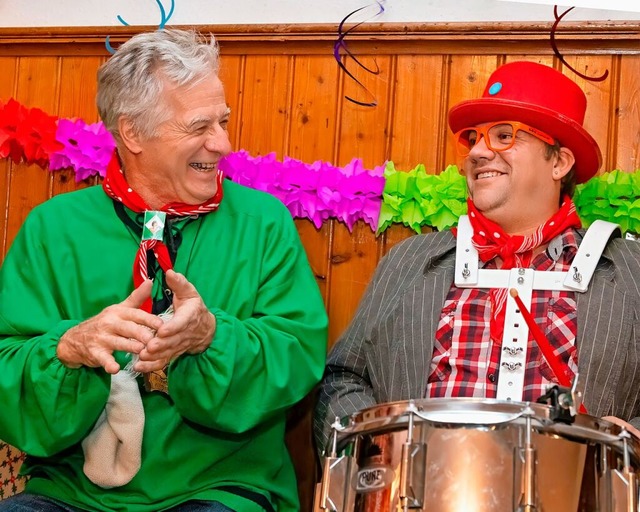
column 130, row 82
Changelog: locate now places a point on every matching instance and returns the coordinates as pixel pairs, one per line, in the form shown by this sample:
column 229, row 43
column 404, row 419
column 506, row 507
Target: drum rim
column 393, row 416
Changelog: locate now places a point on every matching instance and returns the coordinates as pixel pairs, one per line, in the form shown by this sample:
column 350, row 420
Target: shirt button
column 491, row 377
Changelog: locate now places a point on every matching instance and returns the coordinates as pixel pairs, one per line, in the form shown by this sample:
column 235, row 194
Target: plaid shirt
column 466, row 360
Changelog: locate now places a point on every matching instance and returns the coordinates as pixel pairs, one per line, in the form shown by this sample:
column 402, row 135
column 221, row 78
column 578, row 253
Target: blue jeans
column 33, row 503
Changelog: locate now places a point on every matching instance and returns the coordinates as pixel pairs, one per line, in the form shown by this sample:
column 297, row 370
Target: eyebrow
column 207, row 119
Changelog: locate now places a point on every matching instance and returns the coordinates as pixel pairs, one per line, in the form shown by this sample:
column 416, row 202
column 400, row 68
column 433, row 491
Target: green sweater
column 224, row 419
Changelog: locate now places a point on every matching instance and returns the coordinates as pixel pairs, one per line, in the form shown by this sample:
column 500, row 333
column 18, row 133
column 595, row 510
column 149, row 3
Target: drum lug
column 412, row 469
column 624, row 489
column 412, row 475
column 624, row 486
column 335, row 494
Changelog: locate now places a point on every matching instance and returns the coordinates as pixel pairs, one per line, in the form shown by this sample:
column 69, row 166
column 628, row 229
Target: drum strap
column 468, row 274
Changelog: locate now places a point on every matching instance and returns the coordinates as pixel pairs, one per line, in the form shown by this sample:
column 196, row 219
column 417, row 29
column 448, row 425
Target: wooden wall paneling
column 364, row 133
column 312, row 135
column 416, row 130
column 313, row 132
column 37, row 86
column 7, row 90
column 598, row 119
column 418, row 125
column 266, row 104
column 547, row 60
column 78, row 86
column 232, row 74
column 627, row 115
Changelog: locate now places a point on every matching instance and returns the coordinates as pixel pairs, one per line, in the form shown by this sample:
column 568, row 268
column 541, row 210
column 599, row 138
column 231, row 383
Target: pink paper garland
column 316, row 191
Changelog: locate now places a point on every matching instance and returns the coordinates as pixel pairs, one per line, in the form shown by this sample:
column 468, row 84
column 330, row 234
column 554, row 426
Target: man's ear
column 129, row 135
column 564, row 161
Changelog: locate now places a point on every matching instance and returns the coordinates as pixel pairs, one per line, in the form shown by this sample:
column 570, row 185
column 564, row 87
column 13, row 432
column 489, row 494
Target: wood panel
column 418, row 112
column 313, row 127
column 231, row 74
column 37, row 86
column 598, row 122
column 314, row 106
column 265, row 104
column 76, row 100
column 7, row 90
column 363, row 133
column 627, row 114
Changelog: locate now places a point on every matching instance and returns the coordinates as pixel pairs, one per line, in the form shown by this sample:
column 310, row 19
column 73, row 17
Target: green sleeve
column 52, row 407
column 259, row 366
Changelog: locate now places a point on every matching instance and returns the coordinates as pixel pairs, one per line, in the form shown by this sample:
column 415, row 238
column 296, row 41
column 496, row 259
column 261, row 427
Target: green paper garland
column 416, row 198
column 613, row 196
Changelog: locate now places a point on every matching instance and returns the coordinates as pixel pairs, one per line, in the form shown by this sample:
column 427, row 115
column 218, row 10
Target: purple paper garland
column 316, row 191
column 87, row 148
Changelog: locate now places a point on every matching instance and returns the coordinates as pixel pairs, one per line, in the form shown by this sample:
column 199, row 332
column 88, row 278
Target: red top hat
column 541, row 97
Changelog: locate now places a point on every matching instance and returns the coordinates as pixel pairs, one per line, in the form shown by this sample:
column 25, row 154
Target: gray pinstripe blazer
column 385, row 353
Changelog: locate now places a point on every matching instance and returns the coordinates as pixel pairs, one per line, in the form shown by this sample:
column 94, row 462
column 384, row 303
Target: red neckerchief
column 116, row 187
column 490, row 240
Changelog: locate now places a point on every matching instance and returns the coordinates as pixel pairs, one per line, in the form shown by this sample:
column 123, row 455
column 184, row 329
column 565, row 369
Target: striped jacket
column 385, row 353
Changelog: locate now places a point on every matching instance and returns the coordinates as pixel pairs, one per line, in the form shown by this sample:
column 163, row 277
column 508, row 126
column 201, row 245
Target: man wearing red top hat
column 438, row 319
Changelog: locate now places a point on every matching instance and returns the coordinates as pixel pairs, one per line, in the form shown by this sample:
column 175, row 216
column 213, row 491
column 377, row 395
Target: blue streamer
column 164, row 17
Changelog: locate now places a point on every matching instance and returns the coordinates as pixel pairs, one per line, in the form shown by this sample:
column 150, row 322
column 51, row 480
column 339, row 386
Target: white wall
column 51, row 13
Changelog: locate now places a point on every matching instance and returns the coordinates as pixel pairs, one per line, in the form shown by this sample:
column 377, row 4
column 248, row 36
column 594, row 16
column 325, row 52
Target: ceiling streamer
column 164, row 17
column 340, row 48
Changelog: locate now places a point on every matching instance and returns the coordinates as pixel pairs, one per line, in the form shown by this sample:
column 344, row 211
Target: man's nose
column 218, row 142
column 480, row 148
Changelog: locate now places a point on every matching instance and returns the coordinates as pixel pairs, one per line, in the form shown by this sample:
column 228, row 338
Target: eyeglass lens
column 499, row 137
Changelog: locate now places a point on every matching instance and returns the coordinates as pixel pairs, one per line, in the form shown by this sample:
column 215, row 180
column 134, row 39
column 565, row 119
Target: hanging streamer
column 341, row 44
column 164, row 17
column 554, row 46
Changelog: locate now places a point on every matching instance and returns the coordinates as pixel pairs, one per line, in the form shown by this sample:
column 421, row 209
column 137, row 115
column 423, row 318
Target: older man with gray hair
column 165, row 387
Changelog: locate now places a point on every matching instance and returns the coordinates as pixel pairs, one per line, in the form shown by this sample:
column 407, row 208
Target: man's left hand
column 190, row 330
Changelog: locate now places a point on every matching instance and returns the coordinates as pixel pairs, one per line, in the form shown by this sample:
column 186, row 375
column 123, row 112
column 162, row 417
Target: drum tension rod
column 529, row 467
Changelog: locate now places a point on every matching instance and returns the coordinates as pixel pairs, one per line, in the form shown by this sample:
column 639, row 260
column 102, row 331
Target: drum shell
column 468, row 454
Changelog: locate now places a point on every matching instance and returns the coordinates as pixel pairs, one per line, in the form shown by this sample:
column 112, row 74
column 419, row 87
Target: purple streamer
column 554, row 46
column 341, row 44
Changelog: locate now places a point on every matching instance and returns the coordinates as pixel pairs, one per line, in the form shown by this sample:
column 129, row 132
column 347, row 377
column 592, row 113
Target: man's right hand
column 122, row 327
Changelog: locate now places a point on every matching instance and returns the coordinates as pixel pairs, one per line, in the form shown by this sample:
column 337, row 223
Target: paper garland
column 87, row 148
column 316, row 191
column 319, row 191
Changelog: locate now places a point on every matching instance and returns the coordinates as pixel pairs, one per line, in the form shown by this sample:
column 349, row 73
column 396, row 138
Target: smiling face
column 179, row 163
column 519, row 188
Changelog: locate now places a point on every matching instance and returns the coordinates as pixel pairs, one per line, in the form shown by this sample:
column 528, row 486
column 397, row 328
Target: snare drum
column 477, row 455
